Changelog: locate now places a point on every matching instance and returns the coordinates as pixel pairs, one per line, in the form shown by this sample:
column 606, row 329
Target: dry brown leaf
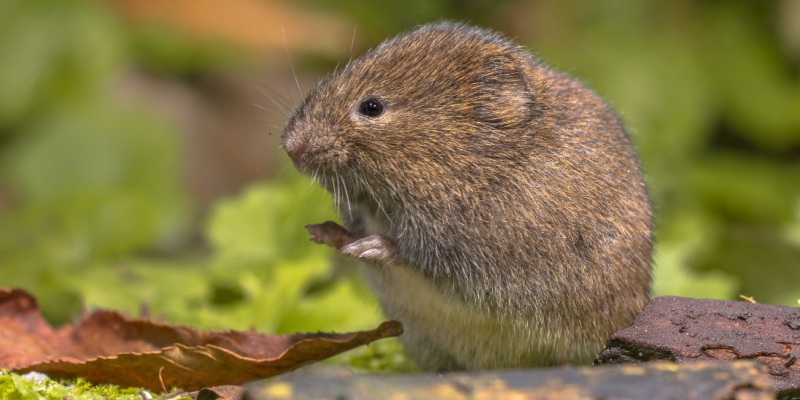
column 106, row 347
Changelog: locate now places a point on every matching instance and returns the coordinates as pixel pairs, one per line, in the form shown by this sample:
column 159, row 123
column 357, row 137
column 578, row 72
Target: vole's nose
column 295, row 149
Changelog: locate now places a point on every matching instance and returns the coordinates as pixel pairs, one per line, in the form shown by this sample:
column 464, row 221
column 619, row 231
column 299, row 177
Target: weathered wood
column 654, row 381
column 690, row 330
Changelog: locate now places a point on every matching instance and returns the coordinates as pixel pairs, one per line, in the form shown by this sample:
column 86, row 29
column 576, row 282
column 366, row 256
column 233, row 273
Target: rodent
column 497, row 205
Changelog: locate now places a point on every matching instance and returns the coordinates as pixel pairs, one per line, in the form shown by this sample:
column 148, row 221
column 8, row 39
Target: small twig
column 161, row 379
column 749, row 299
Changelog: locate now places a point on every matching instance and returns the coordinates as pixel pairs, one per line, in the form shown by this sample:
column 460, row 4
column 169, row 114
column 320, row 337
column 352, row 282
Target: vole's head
column 433, row 111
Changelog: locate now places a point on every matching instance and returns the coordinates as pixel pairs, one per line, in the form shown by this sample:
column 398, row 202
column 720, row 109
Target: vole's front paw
column 373, row 247
column 330, row 233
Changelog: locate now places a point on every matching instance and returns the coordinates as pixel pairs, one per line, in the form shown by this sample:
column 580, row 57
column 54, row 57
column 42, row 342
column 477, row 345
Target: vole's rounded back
column 519, row 223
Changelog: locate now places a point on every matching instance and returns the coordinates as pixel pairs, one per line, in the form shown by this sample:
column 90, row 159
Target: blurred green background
column 140, row 168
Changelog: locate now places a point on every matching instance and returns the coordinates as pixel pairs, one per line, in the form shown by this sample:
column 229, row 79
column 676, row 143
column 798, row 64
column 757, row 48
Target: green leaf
column 265, row 225
column 746, row 189
column 54, row 53
column 18, row 387
column 679, row 242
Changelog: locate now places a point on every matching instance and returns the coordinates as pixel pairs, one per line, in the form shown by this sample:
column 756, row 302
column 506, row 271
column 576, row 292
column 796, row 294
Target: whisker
column 291, row 101
column 336, row 195
column 383, row 209
column 269, row 110
column 285, row 102
column 313, row 178
column 286, row 47
column 353, row 42
column 347, row 197
column 272, row 99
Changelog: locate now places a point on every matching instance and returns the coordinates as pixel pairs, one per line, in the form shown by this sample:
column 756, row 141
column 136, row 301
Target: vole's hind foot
column 372, row 247
column 331, row 234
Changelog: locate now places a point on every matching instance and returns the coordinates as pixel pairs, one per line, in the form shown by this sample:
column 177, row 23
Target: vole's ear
column 505, row 97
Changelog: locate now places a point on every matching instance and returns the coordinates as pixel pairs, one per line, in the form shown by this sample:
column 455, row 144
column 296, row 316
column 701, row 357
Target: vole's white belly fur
column 442, row 332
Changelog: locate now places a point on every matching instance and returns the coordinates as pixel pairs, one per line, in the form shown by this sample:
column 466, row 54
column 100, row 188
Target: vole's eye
column 371, row 107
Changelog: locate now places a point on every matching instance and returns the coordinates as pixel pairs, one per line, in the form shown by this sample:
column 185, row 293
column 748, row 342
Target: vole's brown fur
column 497, row 204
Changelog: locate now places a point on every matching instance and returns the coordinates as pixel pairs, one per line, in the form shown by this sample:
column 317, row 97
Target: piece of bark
column 654, row 381
column 688, row 330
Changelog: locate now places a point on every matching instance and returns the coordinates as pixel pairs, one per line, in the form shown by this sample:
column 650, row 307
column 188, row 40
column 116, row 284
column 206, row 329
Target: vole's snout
column 310, row 149
column 294, row 140
column 294, row 148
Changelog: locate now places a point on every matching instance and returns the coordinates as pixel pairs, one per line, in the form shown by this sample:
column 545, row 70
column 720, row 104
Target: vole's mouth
column 312, row 159
column 312, row 152
column 307, row 161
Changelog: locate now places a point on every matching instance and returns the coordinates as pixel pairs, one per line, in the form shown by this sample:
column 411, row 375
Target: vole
column 496, row 204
